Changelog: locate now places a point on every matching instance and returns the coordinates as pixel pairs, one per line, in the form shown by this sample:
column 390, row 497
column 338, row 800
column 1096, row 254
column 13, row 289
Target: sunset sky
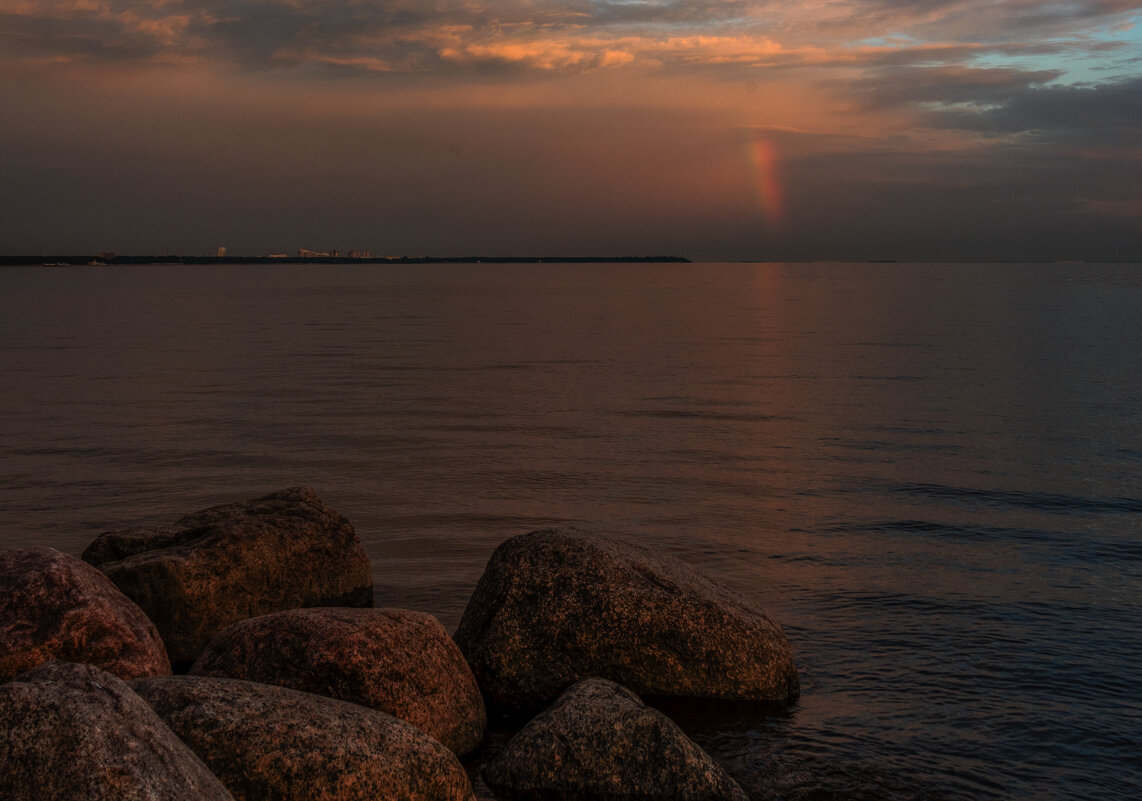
column 949, row 130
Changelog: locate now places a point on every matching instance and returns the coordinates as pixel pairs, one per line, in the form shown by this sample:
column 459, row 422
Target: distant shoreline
column 80, row 261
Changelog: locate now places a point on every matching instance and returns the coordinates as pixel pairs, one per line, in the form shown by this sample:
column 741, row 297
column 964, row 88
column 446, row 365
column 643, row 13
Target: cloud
column 88, row 30
column 998, row 102
column 547, row 36
column 952, row 87
column 1104, row 116
column 982, row 21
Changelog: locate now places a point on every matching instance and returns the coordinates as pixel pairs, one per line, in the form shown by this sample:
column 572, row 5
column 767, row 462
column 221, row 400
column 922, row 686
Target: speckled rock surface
column 231, row 562
column 394, row 660
column 559, row 605
column 599, row 741
column 53, row 606
column 267, row 742
column 73, row 732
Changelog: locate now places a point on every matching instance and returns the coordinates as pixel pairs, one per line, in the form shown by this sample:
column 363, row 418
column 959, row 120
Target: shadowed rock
column 53, row 606
column 73, row 732
column 268, row 742
column 231, row 562
column 559, row 605
column 599, row 741
column 393, row 660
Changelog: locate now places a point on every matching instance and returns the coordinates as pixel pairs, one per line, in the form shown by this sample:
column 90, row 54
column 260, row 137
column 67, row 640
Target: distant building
column 302, row 253
column 360, row 254
column 106, row 254
column 221, row 252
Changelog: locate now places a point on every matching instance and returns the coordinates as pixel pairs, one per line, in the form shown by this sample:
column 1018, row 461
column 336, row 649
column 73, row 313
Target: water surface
column 930, row 474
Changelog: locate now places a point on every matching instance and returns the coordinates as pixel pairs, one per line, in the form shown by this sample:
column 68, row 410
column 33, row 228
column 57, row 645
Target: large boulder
column 53, row 606
column 231, row 562
column 559, row 605
column 393, row 660
column 599, row 741
column 73, row 732
column 270, row 742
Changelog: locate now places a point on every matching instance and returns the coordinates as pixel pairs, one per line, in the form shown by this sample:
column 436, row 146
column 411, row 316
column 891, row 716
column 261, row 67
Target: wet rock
column 231, row 562
column 599, row 741
column 53, row 606
column 559, row 605
column 268, row 742
column 393, row 660
column 72, row 732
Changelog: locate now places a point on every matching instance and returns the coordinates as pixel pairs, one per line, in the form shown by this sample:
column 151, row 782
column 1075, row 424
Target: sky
column 714, row 129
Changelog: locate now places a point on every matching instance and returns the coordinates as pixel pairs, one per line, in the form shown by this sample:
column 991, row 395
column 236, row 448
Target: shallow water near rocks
column 931, row 475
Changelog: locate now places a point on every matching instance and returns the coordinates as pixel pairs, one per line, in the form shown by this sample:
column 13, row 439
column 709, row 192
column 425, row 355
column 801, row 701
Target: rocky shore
column 290, row 686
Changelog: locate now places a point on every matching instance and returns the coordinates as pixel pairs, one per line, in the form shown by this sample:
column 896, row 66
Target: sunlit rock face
column 393, row 660
column 53, row 606
column 600, row 741
column 231, row 562
column 71, row 732
column 559, row 605
column 271, row 742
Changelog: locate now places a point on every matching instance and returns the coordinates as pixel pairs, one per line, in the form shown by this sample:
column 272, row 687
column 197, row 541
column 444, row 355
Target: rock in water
column 393, row 660
column 599, row 741
column 268, row 742
column 559, row 605
column 73, row 732
column 231, row 562
column 53, row 606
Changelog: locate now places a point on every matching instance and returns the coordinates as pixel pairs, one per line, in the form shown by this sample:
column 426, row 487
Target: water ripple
column 1041, row 501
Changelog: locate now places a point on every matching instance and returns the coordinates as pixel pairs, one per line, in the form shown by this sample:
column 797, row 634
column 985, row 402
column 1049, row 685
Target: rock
column 53, row 606
column 231, row 562
column 270, row 742
column 599, row 741
column 559, row 605
column 73, row 732
column 393, row 660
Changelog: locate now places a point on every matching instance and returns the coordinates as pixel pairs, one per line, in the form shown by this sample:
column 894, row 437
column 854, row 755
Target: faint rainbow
column 763, row 159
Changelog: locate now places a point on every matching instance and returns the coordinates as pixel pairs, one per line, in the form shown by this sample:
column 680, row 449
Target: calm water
column 930, row 474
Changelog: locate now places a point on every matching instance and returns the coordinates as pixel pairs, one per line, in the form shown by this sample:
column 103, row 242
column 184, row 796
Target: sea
column 929, row 474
